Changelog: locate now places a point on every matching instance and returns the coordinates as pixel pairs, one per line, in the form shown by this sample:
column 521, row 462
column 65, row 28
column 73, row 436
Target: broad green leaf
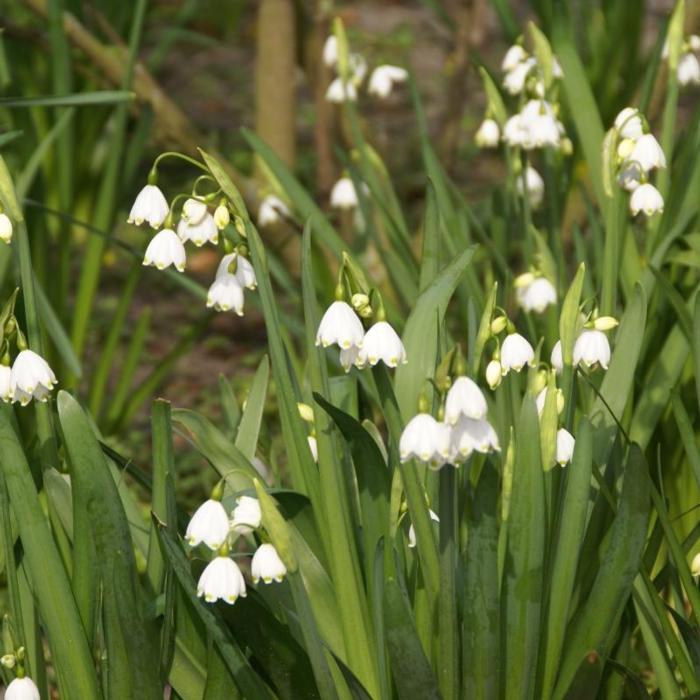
column 249, row 426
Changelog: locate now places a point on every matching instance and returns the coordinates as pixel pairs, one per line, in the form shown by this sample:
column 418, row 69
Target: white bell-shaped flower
column 267, row 565
column 539, row 126
column 209, row 524
column 630, row 175
column 537, row 295
column 688, row 70
column 194, row 210
column 648, row 153
column 565, row 447
column 166, row 249
column 646, row 198
column 470, row 435
column 313, row 447
column 381, row 342
column 534, row 184
column 351, row 356
column 488, row 134
column 464, row 399
column 516, row 352
column 412, row 531
column 246, row 516
column 330, row 51
column 150, row 206
column 5, row 228
column 425, row 439
column 31, row 378
column 344, row 194
column 494, row 373
column 339, row 92
column 556, row 358
column 203, row 231
column 358, row 67
column 245, row 274
column 515, row 131
column 383, row 79
column 516, row 54
column 514, row 80
column 221, row 580
column 592, row 349
column 629, row 123
column 22, row 689
column 226, row 294
column 272, row 209
column 341, row 325
column 5, row 383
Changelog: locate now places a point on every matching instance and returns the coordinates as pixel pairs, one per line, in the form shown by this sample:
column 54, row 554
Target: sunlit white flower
column 203, row 231
column 166, row 249
column 556, row 357
column 629, row 123
column 267, row 565
column 221, row 580
column 565, row 446
column 464, row 399
column 630, row 175
column 340, row 325
column 648, row 153
column 688, row 70
column 222, row 217
column 539, row 126
column 488, row 134
column 412, row 531
column 534, row 184
column 5, row 228
column 425, row 439
column 245, row 274
column 31, row 378
column 209, row 524
column 338, row 91
column 226, row 294
column 313, row 447
column 381, row 342
column 151, row 206
column 330, row 51
column 514, row 80
column 383, row 78
column 516, row 54
column 344, row 194
column 591, row 349
column 272, row 209
column 646, row 198
column 516, row 352
column 194, row 210
column 22, row 689
column 5, row 383
column 537, row 295
column 470, row 435
column 494, row 373
column 351, row 356
column 246, row 516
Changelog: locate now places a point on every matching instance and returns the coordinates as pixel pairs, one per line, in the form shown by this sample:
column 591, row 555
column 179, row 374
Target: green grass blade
column 78, row 99
column 249, row 426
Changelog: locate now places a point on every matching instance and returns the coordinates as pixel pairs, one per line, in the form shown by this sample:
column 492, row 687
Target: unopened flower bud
column 8, row 660
column 605, row 323
column 539, row 381
column 493, row 373
column 498, row 324
column 222, row 217
column 524, row 280
column 565, row 146
column 5, row 228
column 306, row 412
column 240, row 226
column 359, row 301
column 625, row 148
column 695, row 565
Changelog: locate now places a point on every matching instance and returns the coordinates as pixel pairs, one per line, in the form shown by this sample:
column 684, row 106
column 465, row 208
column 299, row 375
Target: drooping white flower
column 313, row 446
column 688, row 70
column 629, row 123
column 648, row 153
column 194, row 210
column 31, row 378
column 226, row 294
column 222, row 217
column 556, row 357
column 412, row 531
column 537, row 295
column 464, row 398
column 351, row 356
column 514, row 80
column 630, row 175
column 272, row 209
column 5, row 228
column 538, row 126
column 344, row 194
column 338, row 91
column 591, row 349
column 516, row 54
column 340, row 325
column 22, row 689
column 494, row 373
column 383, row 79
column 516, row 352
column 267, row 565
column 565, row 447
column 488, row 134
column 5, row 383
column 151, row 206
column 203, row 231
column 646, row 198
column 381, row 342
column 534, row 184
column 166, row 249
column 469, row 435
column 246, row 516
column 425, row 439
column 209, row 524
column 245, row 274
column 330, row 51
column 221, row 580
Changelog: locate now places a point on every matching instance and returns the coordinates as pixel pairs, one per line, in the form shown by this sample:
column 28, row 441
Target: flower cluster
column 688, row 70
column 637, row 154
column 21, row 687
column 198, row 226
column 222, row 579
column 344, row 88
column 591, row 348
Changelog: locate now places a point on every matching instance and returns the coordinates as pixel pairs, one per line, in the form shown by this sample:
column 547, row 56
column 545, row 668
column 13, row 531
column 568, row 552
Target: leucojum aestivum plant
column 478, row 475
